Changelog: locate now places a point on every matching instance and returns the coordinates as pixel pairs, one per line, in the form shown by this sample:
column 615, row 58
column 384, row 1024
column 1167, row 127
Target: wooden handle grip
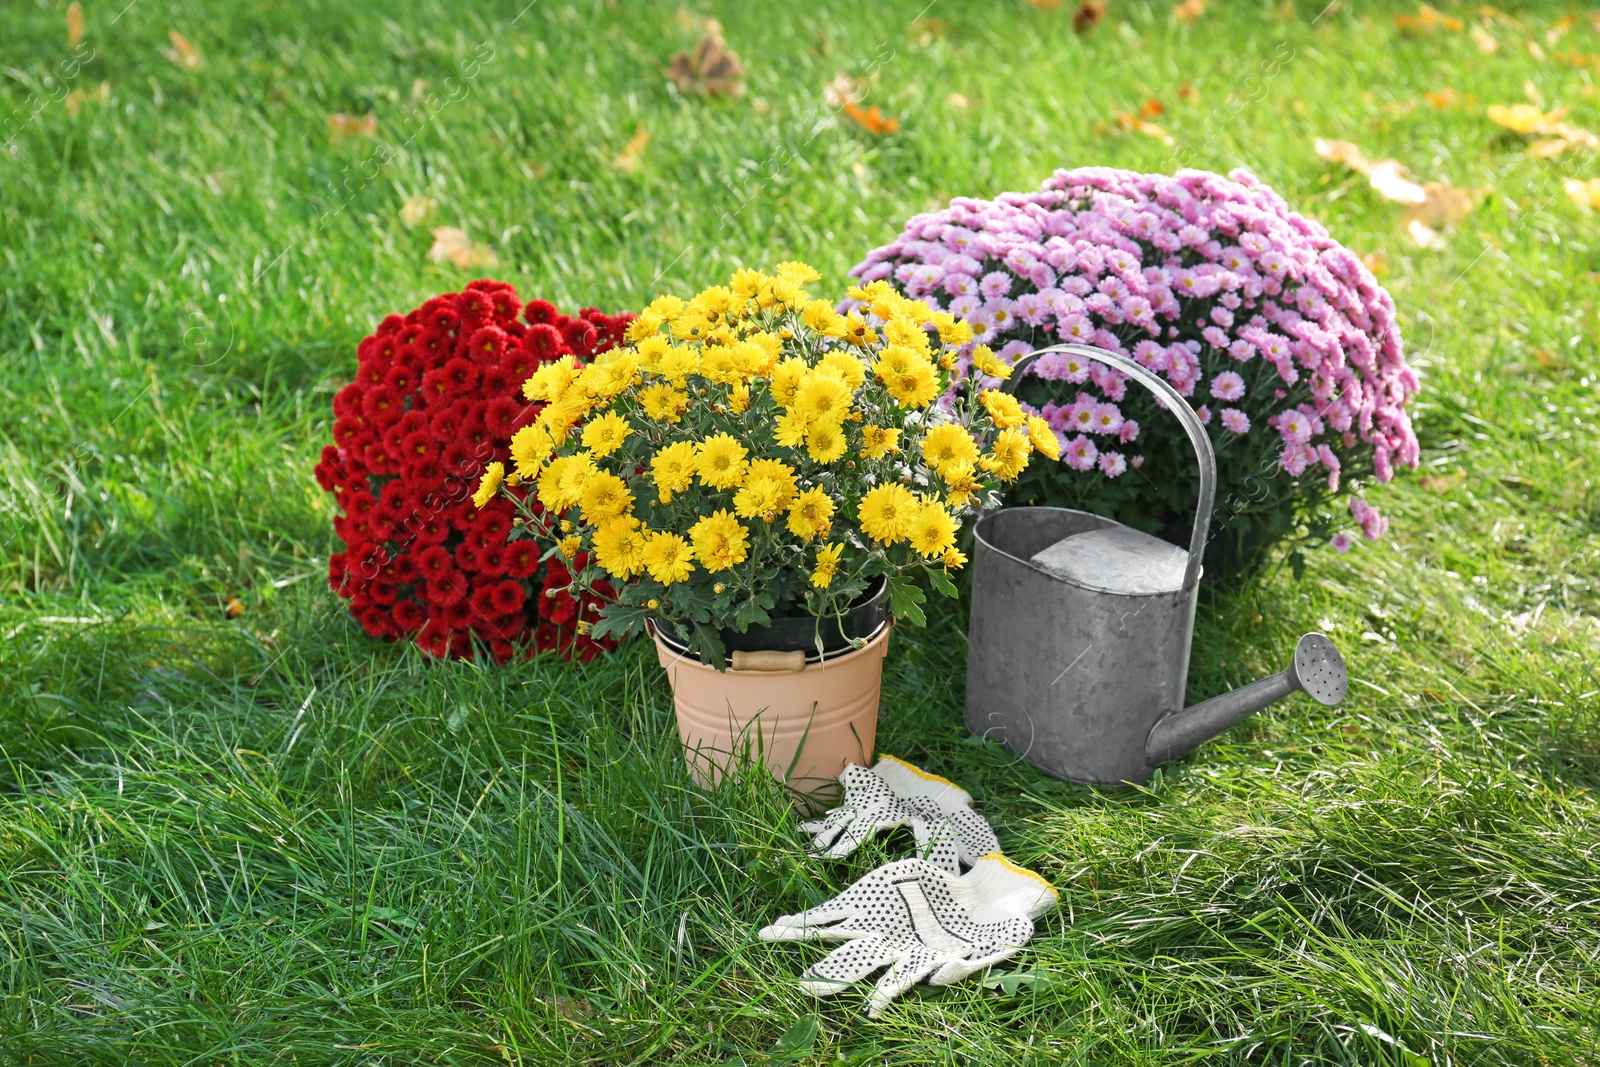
column 769, row 661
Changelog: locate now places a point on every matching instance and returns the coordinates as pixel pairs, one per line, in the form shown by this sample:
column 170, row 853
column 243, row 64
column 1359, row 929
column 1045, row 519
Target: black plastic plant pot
column 866, row 615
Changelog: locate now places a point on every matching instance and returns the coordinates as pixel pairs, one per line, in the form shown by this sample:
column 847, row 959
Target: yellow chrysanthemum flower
column 786, row 379
column 720, row 461
column 748, row 283
column 907, row 332
column 611, row 377
column 931, row 530
column 849, row 368
column 857, row 332
column 1002, row 407
column 825, row 441
column 962, row 482
column 908, row 375
column 985, row 360
column 692, row 325
column 811, row 514
column 823, row 396
column 1009, row 456
column 759, row 498
column 644, row 325
column 551, row 381
column 561, row 483
column 720, row 541
column 716, row 302
column 605, row 434
column 666, row 307
column 947, row 446
column 954, row 559
column 790, row 431
column 885, row 512
column 673, row 469
column 771, row 346
column 530, row 447
column 568, row 546
column 799, row 273
column 1043, row 438
column 739, row 399
column 668, row 558
column 787, row 293
column 877, row 442
column 875, row 290
column 560, row 416
column 605, row 496
column 820, row 316
column 489, row 484
column 952, row 331
column 619, row 546
column 650, row 350
column 678, row 363
column 663, row 403
column 780, row 472
column 827, row 565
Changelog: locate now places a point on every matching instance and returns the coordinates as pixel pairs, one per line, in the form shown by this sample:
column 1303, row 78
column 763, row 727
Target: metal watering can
column 1078, row 645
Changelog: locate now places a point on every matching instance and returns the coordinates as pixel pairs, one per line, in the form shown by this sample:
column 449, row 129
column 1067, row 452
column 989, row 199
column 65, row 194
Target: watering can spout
column 1316, row 670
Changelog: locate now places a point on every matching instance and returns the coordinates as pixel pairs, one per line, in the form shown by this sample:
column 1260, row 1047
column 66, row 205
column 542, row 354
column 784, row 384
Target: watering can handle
column 1175, row 403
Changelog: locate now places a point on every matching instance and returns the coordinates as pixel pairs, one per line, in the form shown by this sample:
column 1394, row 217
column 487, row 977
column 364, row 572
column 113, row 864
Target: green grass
column 271, row 840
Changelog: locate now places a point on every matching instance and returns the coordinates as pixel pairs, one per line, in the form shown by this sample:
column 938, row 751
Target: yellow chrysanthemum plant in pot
column 756, row 473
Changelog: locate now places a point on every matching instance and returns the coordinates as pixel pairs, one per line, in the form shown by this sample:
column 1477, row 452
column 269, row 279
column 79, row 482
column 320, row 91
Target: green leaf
column 619, row 620
column 751, row 613
column 941, row 582
column 797, row 1040
column 707, row 644
column 1297, row 564
column 1012, row 981
column 904, row 600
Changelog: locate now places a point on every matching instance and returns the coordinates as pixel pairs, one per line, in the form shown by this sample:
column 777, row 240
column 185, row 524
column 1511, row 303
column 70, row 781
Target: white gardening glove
column 894, row 793
column 921, row 922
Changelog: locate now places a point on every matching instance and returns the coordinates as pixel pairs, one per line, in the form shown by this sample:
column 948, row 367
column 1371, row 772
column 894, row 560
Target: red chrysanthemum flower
column 436, row 396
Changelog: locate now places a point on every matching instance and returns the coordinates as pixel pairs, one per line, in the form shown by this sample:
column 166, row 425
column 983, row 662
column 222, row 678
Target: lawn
column 260, row 837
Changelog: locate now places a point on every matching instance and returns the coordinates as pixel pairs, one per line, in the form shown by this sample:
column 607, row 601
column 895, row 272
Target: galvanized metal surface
column 1078, row 645
column 1317, row 670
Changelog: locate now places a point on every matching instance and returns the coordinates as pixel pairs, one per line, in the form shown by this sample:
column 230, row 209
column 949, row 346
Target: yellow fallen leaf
column 958, row 101
column 1559, row 28
column 1088, row 16
column 74, row 24
column 416, row 209
column 1428, row 18
column 1387, row 179
column 341, row 126
column 1441, row 205
column 1342, row 152
column 1189, row 10
column 1429, row 207
column 78, row 97
column 628, row 159
column 1525, row 118
column 183, row 54
column 1586, row 193
column 1133, row 122
column 1424, row 235
column 1485, row 41
column 871, row 120
column 1441, row 99
column 233, row 608
column 450, row 245
column 1376, row 262
column 1574, row 58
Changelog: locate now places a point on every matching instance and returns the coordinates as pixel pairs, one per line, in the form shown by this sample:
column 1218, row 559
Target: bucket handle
column 1175, row 403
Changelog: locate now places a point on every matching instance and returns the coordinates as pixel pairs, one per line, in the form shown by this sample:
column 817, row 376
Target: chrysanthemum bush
column 754, row 453
column 432, row 405
column 1281, row 337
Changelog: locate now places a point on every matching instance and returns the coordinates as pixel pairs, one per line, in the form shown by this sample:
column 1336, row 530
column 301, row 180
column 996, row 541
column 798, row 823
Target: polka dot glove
column 894, row 793
column 919, row 921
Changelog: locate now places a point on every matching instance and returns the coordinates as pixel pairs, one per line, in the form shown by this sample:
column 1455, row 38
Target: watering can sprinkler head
column 1316, row 670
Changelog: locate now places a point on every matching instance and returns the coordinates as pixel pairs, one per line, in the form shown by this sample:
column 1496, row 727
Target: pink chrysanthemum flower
column 1341, row 543
column 1112, row 464
column 1080, row 453
column 1235, row 420
column 1227, row 386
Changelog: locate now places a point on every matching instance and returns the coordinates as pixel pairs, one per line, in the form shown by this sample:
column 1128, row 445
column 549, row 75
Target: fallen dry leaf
column 182, row 54
column 1485, row 41
column 1428, row 18
column 709, row 69
column 1151, row 108
column 1530, row 120
column 628, row 159
column 924, row 32
column 958, row 101
column 1429, row 207
column 1559, row 28
column 1138, row 125
column 1189, row 10
column 1442, row 483
column 1188, row 93
column 416, row 209
column 1531, row 90
column 78, row 97
column 1574, row 58
column 1442, row 99
column 233, row 608
column 1088, row 15
column 1586, row 193
column 1377, row 263
column 74, row 24
column 1045, row 5
column 341, row 126
column 871, row 120
column 450, row 245
column 844, row 89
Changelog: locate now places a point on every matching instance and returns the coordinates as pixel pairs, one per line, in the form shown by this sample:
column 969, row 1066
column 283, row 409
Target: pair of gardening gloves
column 922, row 918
